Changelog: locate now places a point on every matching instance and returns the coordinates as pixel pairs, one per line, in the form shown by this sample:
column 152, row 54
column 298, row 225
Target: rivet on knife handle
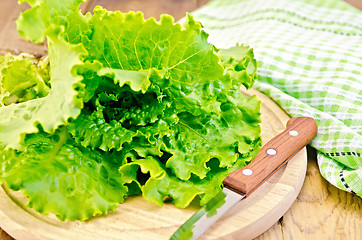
column 299, row 132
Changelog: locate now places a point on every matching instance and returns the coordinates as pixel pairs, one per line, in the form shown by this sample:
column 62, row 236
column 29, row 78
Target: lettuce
column 60, row 104
column 22, row 78
column 125, row 106
column 59, row 176
column 33, row 23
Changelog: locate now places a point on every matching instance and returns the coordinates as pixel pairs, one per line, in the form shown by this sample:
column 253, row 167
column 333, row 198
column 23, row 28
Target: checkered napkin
column 309, row 55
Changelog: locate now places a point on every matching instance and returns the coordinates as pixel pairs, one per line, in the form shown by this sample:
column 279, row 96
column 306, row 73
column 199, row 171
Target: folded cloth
column 309, row 55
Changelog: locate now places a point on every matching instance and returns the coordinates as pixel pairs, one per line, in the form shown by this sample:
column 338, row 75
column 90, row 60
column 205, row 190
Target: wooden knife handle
column 277, row 152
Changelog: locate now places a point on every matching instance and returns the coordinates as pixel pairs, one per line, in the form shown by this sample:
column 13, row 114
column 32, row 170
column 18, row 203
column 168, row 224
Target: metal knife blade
column 242, row 182
column 208, row 215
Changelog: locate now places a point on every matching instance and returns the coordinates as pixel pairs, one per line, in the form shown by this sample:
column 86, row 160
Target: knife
column 242, row 182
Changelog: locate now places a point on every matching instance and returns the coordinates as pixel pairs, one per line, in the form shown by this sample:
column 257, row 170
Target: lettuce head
column 122, row 105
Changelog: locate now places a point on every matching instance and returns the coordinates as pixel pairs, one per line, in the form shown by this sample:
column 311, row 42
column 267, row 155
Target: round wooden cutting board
column 138, row 219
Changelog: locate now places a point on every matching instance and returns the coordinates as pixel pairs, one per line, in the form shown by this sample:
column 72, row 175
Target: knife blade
column 242, row 182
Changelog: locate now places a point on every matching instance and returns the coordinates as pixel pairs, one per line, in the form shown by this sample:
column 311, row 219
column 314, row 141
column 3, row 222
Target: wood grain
column 10, row 41
column 321, row 211
column 355, row 3
column 265, row 165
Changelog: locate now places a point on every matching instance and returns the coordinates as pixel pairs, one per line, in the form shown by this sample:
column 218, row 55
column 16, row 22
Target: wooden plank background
column 321, row 211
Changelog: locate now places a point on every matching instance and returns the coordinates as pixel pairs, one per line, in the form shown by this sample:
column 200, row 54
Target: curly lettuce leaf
column 138, row 81
column 3, row 62
column 229, row 127
column 58, row 176
column 157, row 182
column 162, row 184
column 22, row 77
column 33, row 23
column 23, row 81
column 127, row 41
column 196, row 140
column 61, row 103
column 118, row 114
column 95, row 132
column 146, row 54
column 240, row 64
column 182, row 56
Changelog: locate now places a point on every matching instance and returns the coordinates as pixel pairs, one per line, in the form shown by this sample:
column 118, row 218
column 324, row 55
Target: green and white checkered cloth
column 309, row 55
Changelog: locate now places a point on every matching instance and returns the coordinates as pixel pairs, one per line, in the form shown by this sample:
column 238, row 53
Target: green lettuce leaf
column 59, row 176
column 138, row 81
column 22, row 77
column 118, row 40
column 196, row 140
column 33, row 23
column 157, row 183
column 127, row 41
column 23, row 80
column 61, row 103
column 240, row 64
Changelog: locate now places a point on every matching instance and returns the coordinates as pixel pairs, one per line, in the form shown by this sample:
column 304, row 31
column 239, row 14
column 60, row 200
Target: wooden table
column 321, row 211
